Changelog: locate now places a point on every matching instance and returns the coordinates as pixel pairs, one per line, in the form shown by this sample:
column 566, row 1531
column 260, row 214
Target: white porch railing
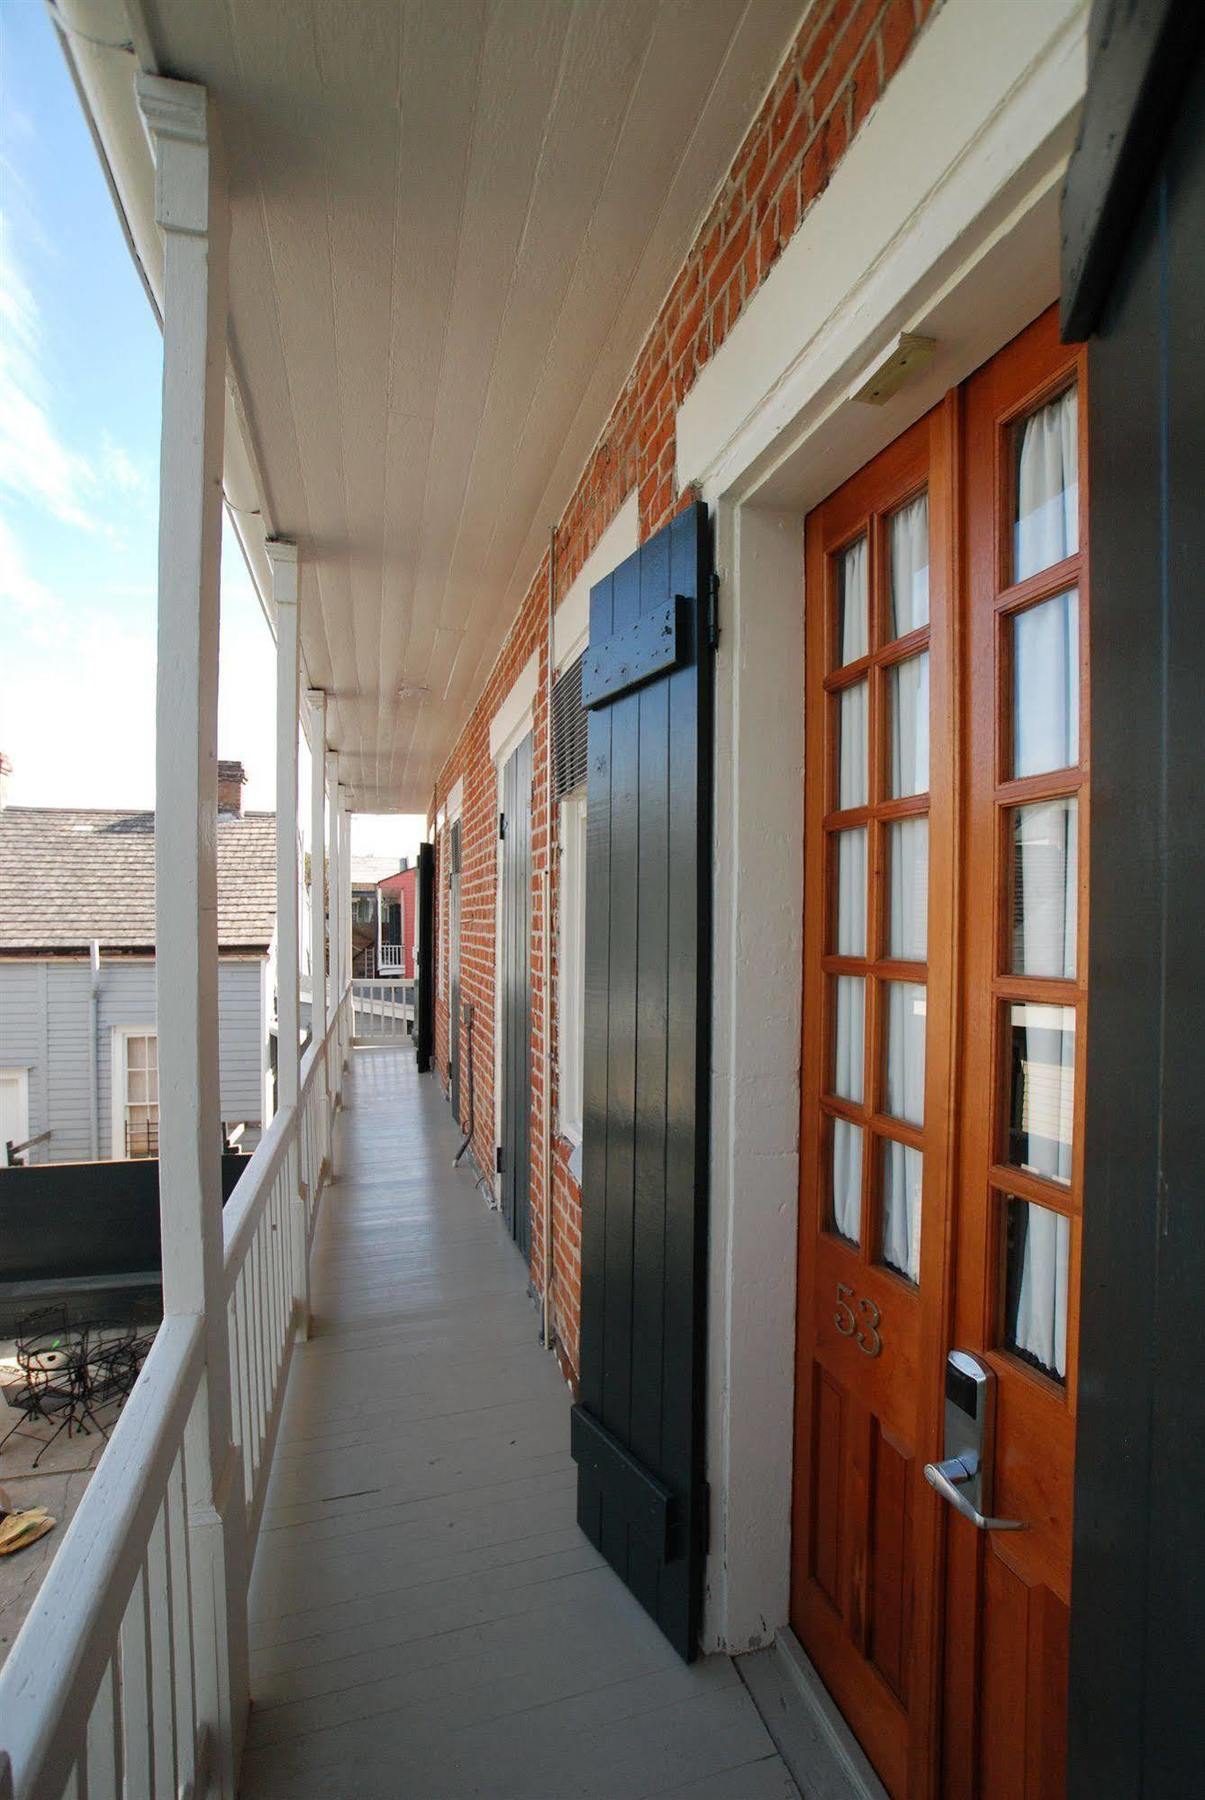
column 382, row 1009
column 113, row 1686
column 391, row 959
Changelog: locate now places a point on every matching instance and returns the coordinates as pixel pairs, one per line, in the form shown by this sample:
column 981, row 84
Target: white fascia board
column 506, row 726
column 571, row 621
column 986, row 89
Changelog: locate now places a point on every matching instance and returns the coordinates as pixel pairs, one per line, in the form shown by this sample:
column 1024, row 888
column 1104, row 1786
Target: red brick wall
column 844, row 56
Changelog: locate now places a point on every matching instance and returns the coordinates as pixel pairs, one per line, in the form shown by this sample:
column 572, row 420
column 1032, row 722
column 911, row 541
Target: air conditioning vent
column 569, row 731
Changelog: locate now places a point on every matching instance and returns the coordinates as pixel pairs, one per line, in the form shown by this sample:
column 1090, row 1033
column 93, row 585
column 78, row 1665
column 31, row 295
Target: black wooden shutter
column 425, row 1022
column 454, row 968
column 638, row 1433
column 515, row 998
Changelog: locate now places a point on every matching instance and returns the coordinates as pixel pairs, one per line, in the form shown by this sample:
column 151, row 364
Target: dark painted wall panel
column 1138, row 1618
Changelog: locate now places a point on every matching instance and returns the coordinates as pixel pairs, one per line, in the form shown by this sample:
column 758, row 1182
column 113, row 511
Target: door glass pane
column 849, row 1037
column 908, row 712
column 136, row 1052
column 1046, row 686
column 901, row 1172
column 851, row 746
column 1044, row 895
column 908, row 555
column 908, row 889
column 905, row 1084
column 1047, row 486
column 1042, row 1089
column 1037, row 1260
column 852, row 571
column 847, row 1180
column 850, row 899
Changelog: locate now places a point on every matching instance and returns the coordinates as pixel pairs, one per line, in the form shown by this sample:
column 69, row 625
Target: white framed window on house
column 571, row 956
column 135, row 1092
column 14, row 1108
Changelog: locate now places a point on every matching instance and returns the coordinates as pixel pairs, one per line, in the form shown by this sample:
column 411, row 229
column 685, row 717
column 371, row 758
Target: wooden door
column 877, row 1061
column 940, row 849
column 514, row 826
column 1020, row 1167
column 638, row 1434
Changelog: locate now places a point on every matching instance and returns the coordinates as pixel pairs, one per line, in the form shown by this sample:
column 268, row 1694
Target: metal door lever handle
column 946, row 1476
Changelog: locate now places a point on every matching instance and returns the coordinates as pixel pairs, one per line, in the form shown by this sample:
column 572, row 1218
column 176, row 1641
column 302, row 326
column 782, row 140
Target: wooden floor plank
column 426, row 1618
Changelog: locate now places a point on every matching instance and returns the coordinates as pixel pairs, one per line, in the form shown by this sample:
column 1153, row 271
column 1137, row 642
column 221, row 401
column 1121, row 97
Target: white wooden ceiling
column 453, row 223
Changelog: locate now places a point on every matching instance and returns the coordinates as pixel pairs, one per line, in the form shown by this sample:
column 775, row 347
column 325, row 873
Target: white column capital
column 175, row 116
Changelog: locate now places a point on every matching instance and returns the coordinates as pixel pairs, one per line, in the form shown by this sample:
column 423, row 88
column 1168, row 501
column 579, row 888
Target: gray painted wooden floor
column 426, row 1619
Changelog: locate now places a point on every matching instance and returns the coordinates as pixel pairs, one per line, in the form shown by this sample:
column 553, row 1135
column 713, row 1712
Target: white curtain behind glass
column 905, row 1097
column 852, row 732
column 909, row 533
column 850, row 1038
column 851, row 892
column 901, row 1207
column 1041, row 1324
column 847, row 1179
column 1046, row 889
column 1046, row 686
column 1047, row 526
column 908, row 898
column 909, row 700
column 854, row 571
column 1047, row 1051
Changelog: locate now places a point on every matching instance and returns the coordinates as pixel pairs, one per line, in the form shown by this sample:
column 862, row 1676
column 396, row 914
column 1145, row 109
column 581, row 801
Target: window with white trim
column 571, row 998
column 136, row 1093
column 14, row 1108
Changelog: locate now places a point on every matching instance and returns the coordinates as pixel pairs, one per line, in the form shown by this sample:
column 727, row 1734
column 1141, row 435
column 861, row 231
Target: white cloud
column 22, row 590
column 78, row 721
column 118, row 468
column 34, row 461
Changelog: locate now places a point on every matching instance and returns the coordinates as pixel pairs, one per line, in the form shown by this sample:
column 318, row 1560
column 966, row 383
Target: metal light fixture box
column 910, row 353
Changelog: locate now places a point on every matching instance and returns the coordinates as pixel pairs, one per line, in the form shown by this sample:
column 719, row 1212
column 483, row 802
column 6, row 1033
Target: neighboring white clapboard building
column 77, row 976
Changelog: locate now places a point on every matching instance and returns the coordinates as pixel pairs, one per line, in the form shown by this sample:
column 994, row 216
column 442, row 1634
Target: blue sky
column 80, row 371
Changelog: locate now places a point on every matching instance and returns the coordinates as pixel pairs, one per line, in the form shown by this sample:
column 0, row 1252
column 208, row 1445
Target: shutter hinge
column 498, row 1159
column 713, row 611
column 501, row 825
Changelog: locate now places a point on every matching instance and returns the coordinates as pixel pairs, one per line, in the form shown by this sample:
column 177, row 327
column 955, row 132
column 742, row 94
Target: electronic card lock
column 965, row 1477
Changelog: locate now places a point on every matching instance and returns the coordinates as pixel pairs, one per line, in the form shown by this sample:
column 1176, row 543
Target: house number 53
column 858, row 1318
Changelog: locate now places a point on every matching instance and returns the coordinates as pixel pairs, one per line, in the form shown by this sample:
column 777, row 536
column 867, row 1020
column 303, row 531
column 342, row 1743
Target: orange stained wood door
column 945, row 918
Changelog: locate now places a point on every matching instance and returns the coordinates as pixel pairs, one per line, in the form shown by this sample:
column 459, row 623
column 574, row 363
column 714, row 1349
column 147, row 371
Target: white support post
column 346, row 911
column 336, row 897
column 283, row 558
column 192, row 212
column 318, row 1002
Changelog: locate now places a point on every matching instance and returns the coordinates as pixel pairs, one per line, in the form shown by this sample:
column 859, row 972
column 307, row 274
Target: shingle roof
column 68, row 876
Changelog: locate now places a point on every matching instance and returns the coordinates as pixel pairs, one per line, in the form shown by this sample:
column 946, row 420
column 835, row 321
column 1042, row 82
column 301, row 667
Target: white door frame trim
column 517, row 727
column 119, row 1036
column 972, row 262
column 21, row 1072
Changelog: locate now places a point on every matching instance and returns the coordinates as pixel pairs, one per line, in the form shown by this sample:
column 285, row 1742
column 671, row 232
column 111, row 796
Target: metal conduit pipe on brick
column 469, row 1010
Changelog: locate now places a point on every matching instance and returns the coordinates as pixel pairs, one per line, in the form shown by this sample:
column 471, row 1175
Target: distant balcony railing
column 118, row 1679
column 382, row 1009
column 391, row 959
